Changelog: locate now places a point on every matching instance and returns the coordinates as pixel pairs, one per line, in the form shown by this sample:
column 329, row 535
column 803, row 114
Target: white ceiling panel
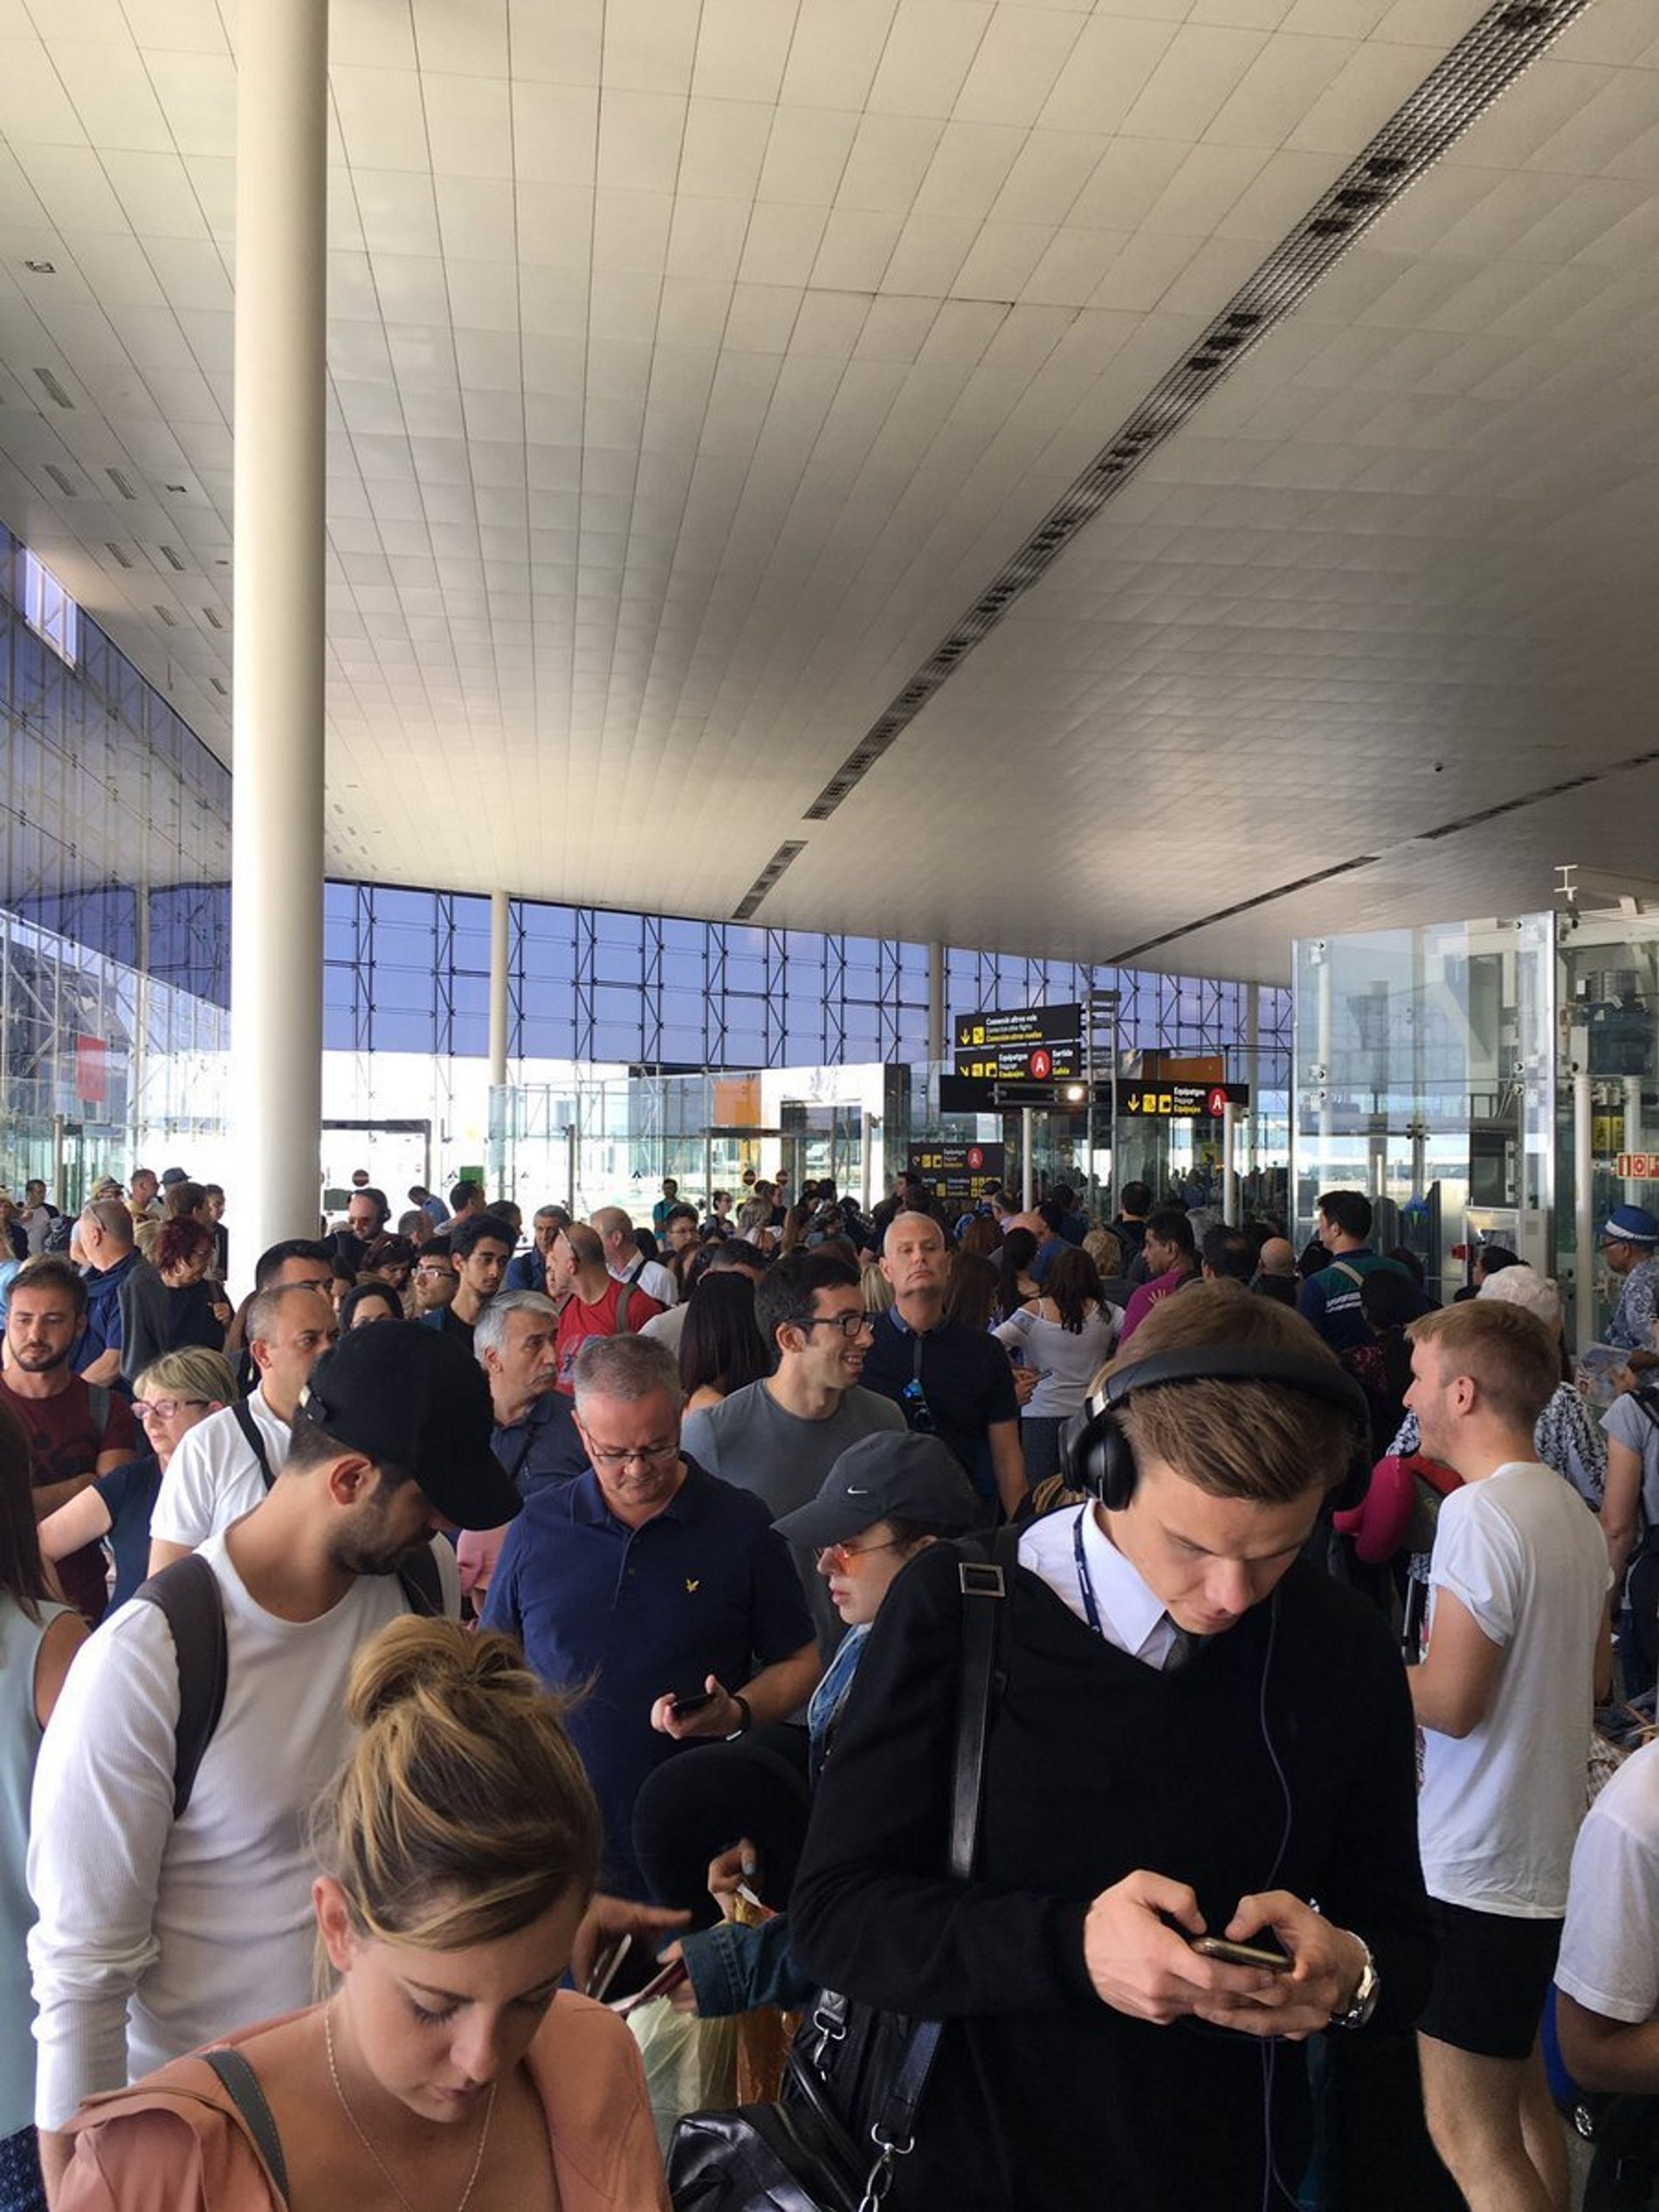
column 697, row 364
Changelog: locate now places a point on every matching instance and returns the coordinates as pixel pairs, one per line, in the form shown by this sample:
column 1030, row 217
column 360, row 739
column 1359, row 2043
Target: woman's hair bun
column 415, row 1657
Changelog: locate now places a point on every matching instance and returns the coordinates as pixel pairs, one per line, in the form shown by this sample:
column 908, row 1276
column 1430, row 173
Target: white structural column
column 277, row 790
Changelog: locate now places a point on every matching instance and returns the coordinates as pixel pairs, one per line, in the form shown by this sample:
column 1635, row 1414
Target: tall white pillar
column 277, row 791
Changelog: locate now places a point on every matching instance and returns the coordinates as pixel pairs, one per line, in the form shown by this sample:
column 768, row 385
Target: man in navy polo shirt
column 947, row 1380
column 646, row 1580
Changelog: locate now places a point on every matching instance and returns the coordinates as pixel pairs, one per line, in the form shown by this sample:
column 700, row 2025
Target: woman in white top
column 1067, row 1334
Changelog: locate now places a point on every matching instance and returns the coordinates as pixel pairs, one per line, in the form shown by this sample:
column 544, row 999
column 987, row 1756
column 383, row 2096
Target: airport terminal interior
column 607, row 598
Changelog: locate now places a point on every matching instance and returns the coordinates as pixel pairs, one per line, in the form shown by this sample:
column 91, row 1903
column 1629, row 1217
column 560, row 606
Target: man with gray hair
column 659, row 1590
column 535, row 1436
column 104, row 1235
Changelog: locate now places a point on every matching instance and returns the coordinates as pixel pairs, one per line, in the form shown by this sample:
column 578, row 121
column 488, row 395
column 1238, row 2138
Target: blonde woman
column 457, row 1856
column 172, row 1394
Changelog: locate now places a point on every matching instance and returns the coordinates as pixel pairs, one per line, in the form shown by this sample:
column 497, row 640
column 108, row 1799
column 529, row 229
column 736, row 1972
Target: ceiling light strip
column 769, row 876
column 1508, row 39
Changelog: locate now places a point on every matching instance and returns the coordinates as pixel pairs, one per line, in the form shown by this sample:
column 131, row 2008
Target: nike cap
column 895, row 1475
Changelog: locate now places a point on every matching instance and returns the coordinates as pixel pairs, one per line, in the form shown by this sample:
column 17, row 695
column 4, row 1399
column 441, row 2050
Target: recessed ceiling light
column 41, row 268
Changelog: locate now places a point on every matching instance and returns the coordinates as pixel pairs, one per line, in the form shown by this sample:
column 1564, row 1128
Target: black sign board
column 960, row 1173
column 1181, row 1101
column 963, row 1094
column 1024, row 1044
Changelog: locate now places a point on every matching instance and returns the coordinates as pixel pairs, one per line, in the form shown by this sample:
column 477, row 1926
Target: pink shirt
column 1149, row 1294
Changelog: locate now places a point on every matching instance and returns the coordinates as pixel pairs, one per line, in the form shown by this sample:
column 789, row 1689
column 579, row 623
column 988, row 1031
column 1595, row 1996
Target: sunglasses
column 844, row 1557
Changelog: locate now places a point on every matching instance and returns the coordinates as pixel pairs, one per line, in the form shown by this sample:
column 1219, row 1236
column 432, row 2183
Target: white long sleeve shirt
column 155, row 1935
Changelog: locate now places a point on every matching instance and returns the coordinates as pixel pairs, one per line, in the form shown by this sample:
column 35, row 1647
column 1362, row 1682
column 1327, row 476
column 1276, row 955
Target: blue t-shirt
column 527, row 1272
column 103, row 1331
column 625, row 1615
column 129, row 1495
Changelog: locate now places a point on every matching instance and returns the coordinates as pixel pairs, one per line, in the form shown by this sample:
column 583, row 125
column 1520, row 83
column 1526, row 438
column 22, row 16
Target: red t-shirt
column 63, row 1441
column 578, row 1322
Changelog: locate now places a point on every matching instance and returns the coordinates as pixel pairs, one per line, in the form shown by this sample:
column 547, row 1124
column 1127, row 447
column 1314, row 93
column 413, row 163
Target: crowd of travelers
column 482, row 1613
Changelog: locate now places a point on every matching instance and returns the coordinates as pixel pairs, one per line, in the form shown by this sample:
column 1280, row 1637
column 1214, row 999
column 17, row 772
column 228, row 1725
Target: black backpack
column 186, row 1594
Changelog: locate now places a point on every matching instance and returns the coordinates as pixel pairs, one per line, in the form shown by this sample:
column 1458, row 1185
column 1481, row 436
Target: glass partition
column 1607, row 1120
column 1425, row 1077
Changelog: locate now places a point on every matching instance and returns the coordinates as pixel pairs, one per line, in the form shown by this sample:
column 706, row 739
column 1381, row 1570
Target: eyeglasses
column 652, row 1455
column 843, row 1557
column 148, row 1410
column 435, row 1274
column 850, row 1325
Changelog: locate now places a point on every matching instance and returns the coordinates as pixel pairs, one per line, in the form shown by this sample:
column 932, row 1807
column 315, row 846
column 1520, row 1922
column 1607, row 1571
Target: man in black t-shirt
column 947, row 1380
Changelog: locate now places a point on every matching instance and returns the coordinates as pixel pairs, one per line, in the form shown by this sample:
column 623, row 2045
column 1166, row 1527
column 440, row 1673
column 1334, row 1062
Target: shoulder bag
column 855, row 2076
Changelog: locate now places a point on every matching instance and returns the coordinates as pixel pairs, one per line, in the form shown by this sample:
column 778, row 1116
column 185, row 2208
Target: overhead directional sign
column 962, row 1172
column 1023, row 1045
column 1181, row 1101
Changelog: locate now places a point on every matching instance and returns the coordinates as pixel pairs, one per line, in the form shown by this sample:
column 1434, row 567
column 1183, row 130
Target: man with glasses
column 434, row 1280
column 657, row 1590
column 947, row 1380
column 223, row 1467
column 780, row 1436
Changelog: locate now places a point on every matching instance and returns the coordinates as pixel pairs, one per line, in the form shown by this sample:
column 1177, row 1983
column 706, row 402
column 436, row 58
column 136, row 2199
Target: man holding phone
column 1201, row 1740
column 654, row 1593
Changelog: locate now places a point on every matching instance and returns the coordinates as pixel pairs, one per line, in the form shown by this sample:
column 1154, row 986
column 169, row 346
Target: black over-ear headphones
column 1094, row 1451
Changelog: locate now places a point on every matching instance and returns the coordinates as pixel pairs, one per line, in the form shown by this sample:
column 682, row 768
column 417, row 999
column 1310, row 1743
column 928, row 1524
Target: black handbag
column 855, row 2076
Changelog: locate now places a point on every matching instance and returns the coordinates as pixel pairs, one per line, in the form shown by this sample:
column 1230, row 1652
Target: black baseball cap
column 416, row 1401
column 896, row 1474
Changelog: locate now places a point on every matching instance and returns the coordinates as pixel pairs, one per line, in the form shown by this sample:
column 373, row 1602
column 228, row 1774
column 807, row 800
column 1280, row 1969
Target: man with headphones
column 1196, row 1735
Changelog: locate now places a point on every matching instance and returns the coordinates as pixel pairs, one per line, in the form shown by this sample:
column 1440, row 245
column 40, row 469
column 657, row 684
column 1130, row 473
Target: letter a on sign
column 1217, row 1104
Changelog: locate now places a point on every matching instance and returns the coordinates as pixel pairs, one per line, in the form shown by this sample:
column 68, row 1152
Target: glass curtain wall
column 664, row 1045
column 114, row 834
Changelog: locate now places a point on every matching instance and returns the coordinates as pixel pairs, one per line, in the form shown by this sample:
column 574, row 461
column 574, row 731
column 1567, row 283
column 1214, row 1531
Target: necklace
column 358, row 2131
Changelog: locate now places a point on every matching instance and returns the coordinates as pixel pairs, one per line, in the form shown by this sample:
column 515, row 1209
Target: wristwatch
column 1364, row 2001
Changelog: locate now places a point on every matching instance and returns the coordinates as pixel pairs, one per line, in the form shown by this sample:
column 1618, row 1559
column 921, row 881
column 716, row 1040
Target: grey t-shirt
column 750, row 1440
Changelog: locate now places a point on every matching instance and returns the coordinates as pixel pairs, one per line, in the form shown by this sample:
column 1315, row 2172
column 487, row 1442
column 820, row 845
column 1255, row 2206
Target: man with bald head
column 946, row 1380
column 1276, row 1274
column 591, row 1301
column 233, row 1456
column 625, row 1260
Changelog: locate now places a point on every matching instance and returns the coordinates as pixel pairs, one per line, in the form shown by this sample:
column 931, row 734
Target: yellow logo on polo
column 691, row 1587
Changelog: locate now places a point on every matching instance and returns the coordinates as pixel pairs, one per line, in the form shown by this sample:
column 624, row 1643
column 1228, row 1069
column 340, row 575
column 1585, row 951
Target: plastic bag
column 690, row 2063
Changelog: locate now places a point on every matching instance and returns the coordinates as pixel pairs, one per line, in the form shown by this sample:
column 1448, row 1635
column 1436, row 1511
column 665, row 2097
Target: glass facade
column 115, row 975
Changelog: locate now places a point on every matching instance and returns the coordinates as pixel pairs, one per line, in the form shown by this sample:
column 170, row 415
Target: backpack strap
column 1341, row 1267
column 98, row 1405
column 249, row 1428
column 619, row 1319
column 242, row 2085
column 422, row 1584
column 187, row 1595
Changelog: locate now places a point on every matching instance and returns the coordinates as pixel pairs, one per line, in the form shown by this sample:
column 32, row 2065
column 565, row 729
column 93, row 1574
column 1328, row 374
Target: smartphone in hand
column 693, row 1701
column 1239, row 1954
